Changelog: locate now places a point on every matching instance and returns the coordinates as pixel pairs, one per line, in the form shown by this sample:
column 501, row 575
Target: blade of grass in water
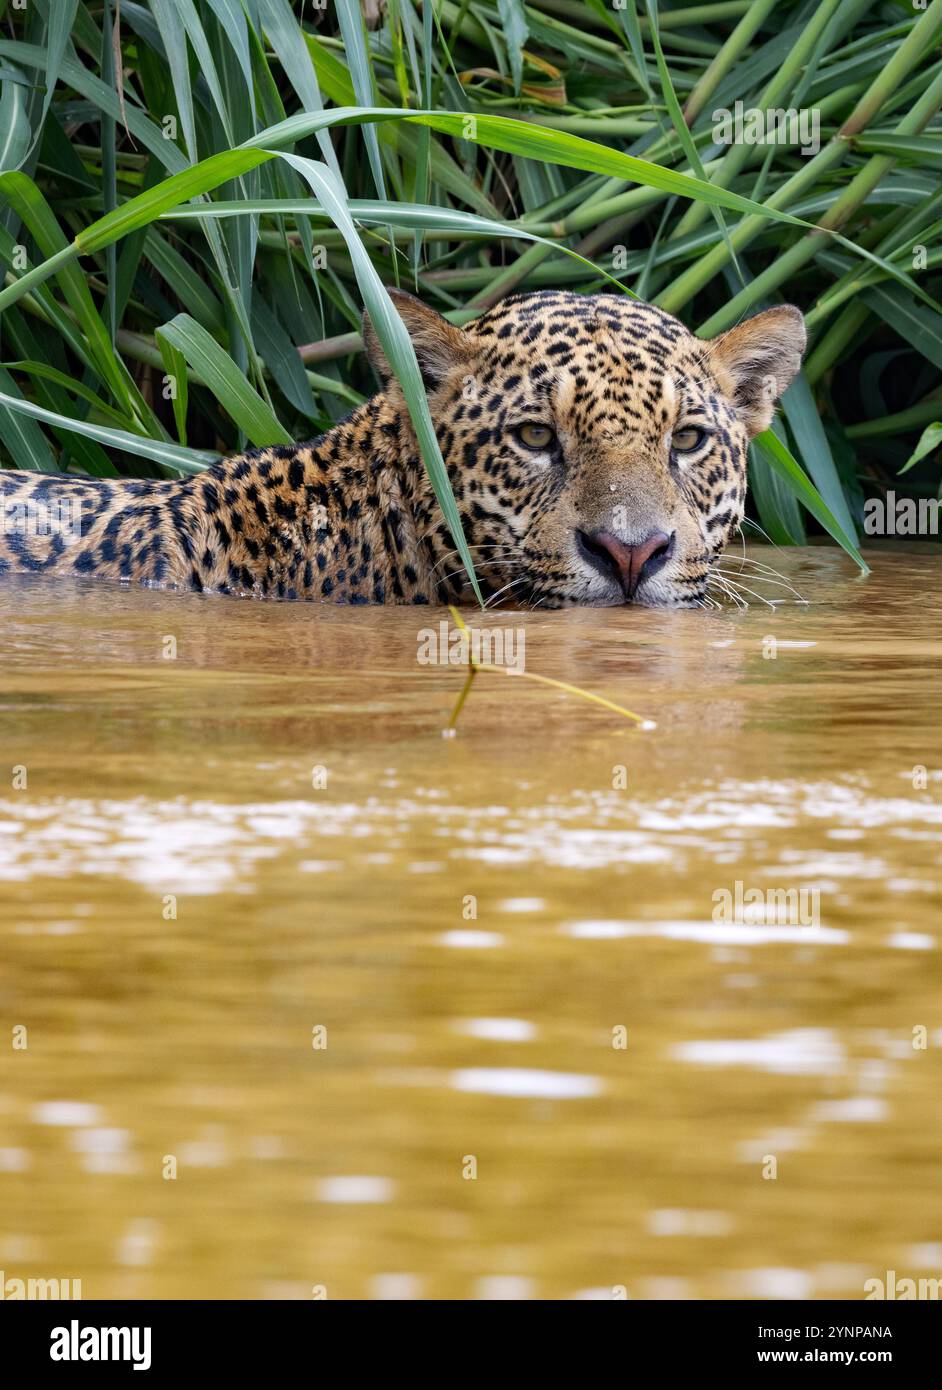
column 474, row 666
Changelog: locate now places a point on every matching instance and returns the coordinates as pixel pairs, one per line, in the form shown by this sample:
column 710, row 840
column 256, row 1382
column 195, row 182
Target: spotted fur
column 351, row 517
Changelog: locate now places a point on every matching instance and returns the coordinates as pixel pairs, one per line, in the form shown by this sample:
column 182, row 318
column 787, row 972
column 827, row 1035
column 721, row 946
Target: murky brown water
column 449, row 1036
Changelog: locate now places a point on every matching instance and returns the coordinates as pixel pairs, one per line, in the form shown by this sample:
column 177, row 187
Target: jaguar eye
column 686, row 440
column 539, row 437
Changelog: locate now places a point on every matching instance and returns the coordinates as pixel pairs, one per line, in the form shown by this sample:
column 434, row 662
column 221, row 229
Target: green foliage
column 197, row 197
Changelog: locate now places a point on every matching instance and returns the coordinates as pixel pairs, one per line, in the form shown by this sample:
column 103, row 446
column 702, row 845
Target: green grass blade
column 229, row 386
column 289, row 43
column 800, row 484
column 513, row 19
column 350, row 17
column 175, row 380
column 14, row 125
column 281, row 358
column 815, row 451
column 75, row 75
column 397, row 345
column 190, row 183
column 930, row 440
column 61, row 17
column 109, row 173
column 681, row 129
column 917, row 325
column 25, row 198
column 45, row 372
column 535, row 142
column 169, row 18
column 782, row 518
column 21, row 437
column 372, row 211
column 158, row 450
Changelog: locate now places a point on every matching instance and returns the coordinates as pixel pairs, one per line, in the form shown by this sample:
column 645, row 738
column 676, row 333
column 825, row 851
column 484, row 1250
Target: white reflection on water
column 65, row 1112
column 854, row 1110
column 103, row 1150
column 355, row 1188
column 521, row 1081
column 911, row 941
column 209, row 1151
column 138, row 1243
column 711, row 933
column 466, row 940
column 795, row 1284
column 927, row 1256
column 395, row 1287
column 777, row 1141
column 496, row 1029
column 204, row 845
column 15, row 1160
column 798, row 1052
column 677, row 1221
column 504, row 1287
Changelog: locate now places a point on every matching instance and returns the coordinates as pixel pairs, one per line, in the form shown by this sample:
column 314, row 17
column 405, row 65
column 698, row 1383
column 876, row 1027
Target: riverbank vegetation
column 197, row 196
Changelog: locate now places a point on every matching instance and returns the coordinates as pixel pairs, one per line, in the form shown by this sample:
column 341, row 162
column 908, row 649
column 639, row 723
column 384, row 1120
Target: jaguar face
column 596, row 447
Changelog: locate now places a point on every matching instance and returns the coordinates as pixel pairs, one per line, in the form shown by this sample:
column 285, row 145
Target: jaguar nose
column 628, row 564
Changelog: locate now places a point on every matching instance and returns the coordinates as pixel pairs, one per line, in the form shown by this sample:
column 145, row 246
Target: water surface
column 475, row 926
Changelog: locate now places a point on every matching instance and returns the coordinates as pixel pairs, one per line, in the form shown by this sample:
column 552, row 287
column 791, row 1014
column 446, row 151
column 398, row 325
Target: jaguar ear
column 755, row 362
column 439, row 346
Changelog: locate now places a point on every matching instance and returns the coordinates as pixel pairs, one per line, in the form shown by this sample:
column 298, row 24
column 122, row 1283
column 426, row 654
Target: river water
column 299, row 997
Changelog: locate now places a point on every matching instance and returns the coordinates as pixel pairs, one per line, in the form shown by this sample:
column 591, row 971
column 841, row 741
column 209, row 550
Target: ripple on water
column 206, row 846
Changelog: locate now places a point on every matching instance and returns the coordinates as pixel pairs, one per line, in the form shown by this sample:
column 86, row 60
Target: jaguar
column 596, row 449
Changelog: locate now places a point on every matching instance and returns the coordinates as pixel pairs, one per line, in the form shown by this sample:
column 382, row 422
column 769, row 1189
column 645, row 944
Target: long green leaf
column 371, row 211
column 176, row 380
column 536, row 142
column 289, row 43
column 916, row 324
column 812, row 444
column 21, row 437
column 23, row 195
column 680, row 127
column 170, row 455
column 61, row 17
column 781, row 460
column 397, row 345
column 217, row 369
column 14, row 125
column 515, row 137
column 358, row 60
column 44, row 372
